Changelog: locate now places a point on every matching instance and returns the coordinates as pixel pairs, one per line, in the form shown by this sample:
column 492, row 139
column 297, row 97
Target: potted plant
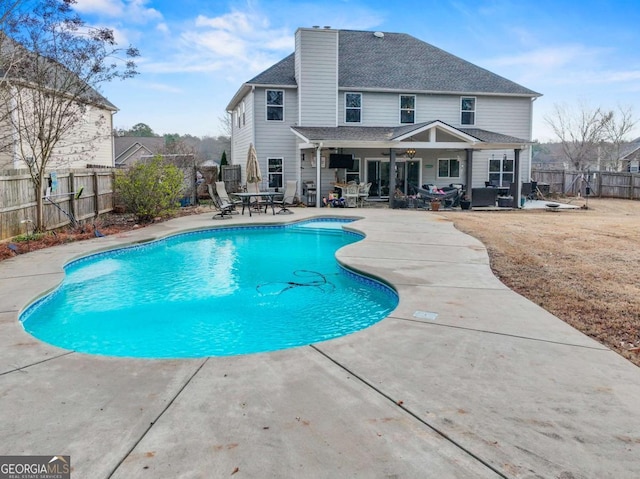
column 435, row 204
column 465, row 203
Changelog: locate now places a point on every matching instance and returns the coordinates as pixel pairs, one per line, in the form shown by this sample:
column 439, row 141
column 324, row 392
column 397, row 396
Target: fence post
column 96, row 207
column 72, row 199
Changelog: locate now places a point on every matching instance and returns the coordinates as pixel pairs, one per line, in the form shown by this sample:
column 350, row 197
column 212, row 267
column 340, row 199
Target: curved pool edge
column 333, row 225
column 60, row 256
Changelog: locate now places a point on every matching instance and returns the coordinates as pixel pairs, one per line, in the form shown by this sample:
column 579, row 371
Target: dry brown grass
column 581, row 265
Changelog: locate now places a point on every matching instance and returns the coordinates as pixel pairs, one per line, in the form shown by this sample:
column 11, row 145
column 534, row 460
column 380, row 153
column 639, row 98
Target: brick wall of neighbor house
column 274, row 138
column 317, row 76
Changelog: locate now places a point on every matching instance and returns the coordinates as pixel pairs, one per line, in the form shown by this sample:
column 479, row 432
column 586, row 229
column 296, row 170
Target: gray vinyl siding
column 243, row 135
column 317, row 76
column 274, row 139
column 507, row 115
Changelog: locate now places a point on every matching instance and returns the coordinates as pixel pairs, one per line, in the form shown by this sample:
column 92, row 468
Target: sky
column 195, row 54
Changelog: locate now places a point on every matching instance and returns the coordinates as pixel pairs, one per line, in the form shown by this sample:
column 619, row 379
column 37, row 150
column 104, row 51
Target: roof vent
column 327, row 27
column 378, row 34
column 316, row 26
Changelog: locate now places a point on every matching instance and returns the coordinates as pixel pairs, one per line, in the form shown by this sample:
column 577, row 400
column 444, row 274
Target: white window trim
column 266, row 104
column 474, row 111
column 269, row 173
column 400, row 109
column 448, row 177
column 502, row 159
column 352, row 108
column 357, row 161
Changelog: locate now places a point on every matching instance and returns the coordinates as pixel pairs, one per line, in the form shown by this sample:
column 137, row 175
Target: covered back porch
column 396, row 160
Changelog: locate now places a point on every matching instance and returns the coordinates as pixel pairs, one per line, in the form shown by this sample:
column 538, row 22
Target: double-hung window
column 448, row 168
column 275, row 105
column 353, row 107
column 501, row 170
column 467, row 110
column 274, row 168
column 407, row 108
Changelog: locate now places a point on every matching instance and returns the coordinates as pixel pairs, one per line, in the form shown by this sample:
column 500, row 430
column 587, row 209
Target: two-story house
column 407, row 112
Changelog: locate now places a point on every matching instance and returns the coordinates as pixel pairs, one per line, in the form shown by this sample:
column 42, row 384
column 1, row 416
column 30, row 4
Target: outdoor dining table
column 246, row 199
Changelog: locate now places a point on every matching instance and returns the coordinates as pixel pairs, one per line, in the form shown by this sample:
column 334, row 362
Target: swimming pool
column 218, row 292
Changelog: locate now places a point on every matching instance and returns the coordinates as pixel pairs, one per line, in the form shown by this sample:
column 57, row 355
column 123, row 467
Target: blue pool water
column 212, row 293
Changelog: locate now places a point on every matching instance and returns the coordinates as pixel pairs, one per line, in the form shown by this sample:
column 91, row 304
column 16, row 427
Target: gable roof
column 395, row 62
column 359, row 134
column 34, row 70
column 127, row 146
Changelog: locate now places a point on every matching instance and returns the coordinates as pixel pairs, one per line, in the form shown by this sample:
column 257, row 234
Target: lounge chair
column 221, row 191
column 288, row 197
column 224, row 209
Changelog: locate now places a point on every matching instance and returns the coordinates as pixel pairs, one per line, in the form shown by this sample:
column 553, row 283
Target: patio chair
column 350, row 195
column 256, row 202
column 363, row 193
column 224, row 209
column 221, row 191
column 288, row 197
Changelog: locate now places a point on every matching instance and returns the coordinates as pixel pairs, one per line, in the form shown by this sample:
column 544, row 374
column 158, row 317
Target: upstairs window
column 353, row 107
column 467, row 110
column 275, row 105
column 407, row 108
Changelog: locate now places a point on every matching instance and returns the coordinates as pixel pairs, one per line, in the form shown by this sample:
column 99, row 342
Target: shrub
column 150, row 189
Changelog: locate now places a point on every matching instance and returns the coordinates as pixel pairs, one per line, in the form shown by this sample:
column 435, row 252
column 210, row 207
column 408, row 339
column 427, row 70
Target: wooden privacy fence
column 18, row 200
column 603, row 184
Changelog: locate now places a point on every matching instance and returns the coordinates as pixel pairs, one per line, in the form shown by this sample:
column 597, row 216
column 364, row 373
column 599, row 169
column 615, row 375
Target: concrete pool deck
column 464, row 379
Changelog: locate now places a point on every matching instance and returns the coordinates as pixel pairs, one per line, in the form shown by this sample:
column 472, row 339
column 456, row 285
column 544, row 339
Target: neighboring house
column 86, row 144
column 396, row 103
column 130, row 149
column 630, row 156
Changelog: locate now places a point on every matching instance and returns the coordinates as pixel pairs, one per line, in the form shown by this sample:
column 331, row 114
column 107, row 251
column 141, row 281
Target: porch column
column 392, row 177
column 318, row 171
column 469, row 174
column 516, row 177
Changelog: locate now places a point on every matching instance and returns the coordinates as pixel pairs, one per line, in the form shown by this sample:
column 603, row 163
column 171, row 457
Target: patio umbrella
column 253, row 168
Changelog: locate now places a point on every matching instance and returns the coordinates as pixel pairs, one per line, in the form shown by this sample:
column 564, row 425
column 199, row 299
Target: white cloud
column 134, row 11
column 236, row 42
column 551, row 57
column 110, row 8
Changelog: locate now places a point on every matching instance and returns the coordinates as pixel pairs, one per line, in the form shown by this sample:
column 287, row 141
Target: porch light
column 411, row 152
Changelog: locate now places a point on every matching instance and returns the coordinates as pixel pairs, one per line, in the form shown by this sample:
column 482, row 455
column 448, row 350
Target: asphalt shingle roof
column 370, row 133
column 398, row 61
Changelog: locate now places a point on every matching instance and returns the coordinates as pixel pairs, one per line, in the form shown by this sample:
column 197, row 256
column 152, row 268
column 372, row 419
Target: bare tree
column 49, row 91
column 616, row 136
column 580, row 130
column 225, row 124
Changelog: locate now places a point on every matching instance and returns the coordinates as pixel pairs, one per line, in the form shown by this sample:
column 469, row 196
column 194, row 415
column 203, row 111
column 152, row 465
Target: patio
column 464, row 379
